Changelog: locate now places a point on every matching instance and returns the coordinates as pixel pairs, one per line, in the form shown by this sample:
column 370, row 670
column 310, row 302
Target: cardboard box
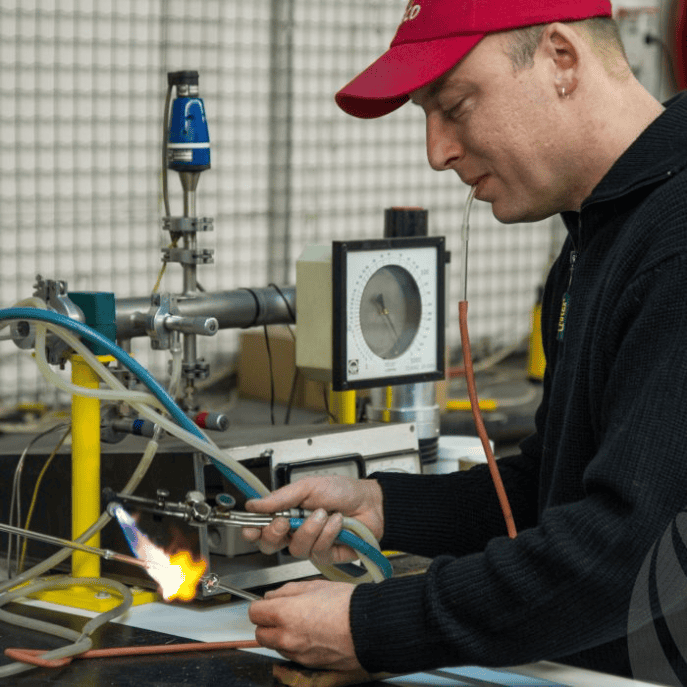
column 254, row 369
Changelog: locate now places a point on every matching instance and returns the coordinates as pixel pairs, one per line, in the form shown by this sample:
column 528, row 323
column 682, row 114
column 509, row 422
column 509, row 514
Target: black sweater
column 597, row 484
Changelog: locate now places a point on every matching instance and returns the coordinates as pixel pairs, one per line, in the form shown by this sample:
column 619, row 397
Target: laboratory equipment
column 372, row 311
column 172, row 322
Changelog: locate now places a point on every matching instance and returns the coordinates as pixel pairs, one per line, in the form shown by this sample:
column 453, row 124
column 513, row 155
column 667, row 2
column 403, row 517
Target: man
column 535, row 105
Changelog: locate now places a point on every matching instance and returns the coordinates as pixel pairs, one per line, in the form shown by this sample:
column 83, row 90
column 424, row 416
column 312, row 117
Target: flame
column 177, row 574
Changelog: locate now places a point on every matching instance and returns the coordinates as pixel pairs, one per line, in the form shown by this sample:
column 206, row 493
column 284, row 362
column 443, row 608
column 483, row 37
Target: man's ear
column 561, row 45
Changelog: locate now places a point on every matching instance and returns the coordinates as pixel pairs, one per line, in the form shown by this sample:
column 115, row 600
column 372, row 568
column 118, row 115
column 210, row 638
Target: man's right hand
column 316, row 537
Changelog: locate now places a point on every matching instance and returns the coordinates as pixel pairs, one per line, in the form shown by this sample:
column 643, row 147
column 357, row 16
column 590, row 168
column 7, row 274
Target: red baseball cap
column 434, row 35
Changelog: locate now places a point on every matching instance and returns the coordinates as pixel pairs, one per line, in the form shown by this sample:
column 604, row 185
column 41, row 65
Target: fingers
column 270, row 539
column 315, row 538
column 307, row 622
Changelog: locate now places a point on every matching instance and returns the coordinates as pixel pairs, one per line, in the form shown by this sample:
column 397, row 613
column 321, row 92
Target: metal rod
column 107, row 554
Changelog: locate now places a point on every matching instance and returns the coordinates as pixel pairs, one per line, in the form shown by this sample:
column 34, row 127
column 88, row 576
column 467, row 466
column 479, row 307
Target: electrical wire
column 377, row 565
column 165, row 183
column 15, row 498
column 34, row 497
column 292, row 395
column 165, row 138
column 294, row 381
column 271, row 372
column 63, row 554
column 7, row 595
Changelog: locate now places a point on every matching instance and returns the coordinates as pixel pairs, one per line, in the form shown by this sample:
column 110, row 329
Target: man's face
column 503, row 131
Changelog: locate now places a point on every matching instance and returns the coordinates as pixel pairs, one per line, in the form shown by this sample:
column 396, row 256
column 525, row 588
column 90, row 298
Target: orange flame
column 178, row 574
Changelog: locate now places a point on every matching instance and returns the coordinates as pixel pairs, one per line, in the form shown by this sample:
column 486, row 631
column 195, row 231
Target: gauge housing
column 388, row 312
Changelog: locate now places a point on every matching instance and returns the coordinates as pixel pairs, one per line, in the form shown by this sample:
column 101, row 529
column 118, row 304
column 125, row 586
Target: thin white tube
column 465, row 235
column 51, row 376
column 204, row 445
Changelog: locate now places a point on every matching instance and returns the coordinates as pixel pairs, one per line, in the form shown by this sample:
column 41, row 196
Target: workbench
column 160, row 623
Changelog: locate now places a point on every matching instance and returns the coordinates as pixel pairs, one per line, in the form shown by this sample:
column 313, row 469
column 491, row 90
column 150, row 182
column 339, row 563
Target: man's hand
column 308, row 622
column 315, row 538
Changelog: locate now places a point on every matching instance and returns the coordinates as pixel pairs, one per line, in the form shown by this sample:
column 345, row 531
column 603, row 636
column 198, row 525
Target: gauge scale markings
column 391, row 300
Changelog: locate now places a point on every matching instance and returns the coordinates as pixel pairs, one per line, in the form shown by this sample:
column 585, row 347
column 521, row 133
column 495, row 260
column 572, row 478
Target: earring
column 563, row 92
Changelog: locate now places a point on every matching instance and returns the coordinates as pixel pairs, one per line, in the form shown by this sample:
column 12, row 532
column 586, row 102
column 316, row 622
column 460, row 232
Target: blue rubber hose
column 360, row 545
column 173, row 409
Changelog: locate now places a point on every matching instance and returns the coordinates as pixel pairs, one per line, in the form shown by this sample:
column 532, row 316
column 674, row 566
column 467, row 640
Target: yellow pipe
column 485, row 404
column 388, row 400
column 343, row 406
column 85, row 466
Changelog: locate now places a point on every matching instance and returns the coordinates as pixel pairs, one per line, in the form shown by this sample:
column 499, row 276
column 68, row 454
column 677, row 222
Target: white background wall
column 82, row 92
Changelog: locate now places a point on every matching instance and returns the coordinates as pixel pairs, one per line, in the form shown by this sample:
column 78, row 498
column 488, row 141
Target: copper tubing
column 479, row 422
column 33, row 656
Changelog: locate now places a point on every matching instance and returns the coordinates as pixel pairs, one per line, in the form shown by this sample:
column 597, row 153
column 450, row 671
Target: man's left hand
column 308, row 622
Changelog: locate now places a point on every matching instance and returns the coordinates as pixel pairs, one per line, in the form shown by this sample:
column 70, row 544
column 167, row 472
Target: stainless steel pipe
column 236, row 309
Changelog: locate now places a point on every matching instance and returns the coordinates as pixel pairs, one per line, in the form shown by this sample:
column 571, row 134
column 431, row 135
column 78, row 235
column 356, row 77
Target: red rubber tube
column 33, row 656
column 479, row 422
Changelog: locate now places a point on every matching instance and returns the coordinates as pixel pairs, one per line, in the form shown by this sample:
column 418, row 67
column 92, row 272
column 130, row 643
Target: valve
column 188, row 146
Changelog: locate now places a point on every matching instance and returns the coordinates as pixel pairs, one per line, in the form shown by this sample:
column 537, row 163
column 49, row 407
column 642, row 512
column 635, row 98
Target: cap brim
column 384, row 86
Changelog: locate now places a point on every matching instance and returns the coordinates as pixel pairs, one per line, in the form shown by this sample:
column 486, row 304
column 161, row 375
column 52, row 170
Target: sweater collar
column 659, row 152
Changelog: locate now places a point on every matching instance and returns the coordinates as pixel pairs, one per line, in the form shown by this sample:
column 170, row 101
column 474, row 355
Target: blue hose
column 360, row 545
column 173, row 409
column 150, row 382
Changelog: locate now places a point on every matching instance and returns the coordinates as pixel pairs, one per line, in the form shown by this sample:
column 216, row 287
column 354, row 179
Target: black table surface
column 225, row 668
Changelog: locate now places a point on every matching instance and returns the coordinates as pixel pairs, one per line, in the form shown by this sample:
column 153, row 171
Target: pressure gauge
column 371, row 313
column 388, row 312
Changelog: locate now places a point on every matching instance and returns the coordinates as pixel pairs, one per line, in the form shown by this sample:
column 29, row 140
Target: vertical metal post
column 409, row 402
column 85, row 466
column 280, row 134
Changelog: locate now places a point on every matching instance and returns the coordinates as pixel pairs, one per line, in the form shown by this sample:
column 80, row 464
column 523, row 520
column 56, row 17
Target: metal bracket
column 187, row 225
column 163, row 320
column 187, row 256
column 54, row 293
column 198, row 370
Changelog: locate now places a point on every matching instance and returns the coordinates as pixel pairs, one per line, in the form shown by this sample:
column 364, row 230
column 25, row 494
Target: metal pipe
column 107, row 554
column 280, row 131
column 237, row 309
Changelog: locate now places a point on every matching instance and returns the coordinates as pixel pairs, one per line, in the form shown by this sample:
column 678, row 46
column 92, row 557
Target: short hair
column 603, row 31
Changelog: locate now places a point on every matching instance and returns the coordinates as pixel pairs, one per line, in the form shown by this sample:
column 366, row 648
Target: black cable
column 330, row 415
column 269, row 362
column 288, row 305
column 294, row 382
column 362, row 409
column 16, row 494
column 292, row 396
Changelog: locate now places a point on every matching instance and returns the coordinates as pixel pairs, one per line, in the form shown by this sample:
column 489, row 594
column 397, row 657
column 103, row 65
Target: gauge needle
column 384, row 311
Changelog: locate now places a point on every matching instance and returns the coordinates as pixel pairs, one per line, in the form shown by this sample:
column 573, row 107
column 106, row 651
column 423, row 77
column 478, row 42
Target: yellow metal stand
column 85, row 466
column 389, row 399
column 86, row 496
column 342, row 404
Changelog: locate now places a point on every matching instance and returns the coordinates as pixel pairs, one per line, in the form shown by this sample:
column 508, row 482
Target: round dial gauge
column 388, row 324
column 390, row 311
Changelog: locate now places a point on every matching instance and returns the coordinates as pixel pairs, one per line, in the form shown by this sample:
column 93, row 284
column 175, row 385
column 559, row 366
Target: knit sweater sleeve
column 563, row 586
